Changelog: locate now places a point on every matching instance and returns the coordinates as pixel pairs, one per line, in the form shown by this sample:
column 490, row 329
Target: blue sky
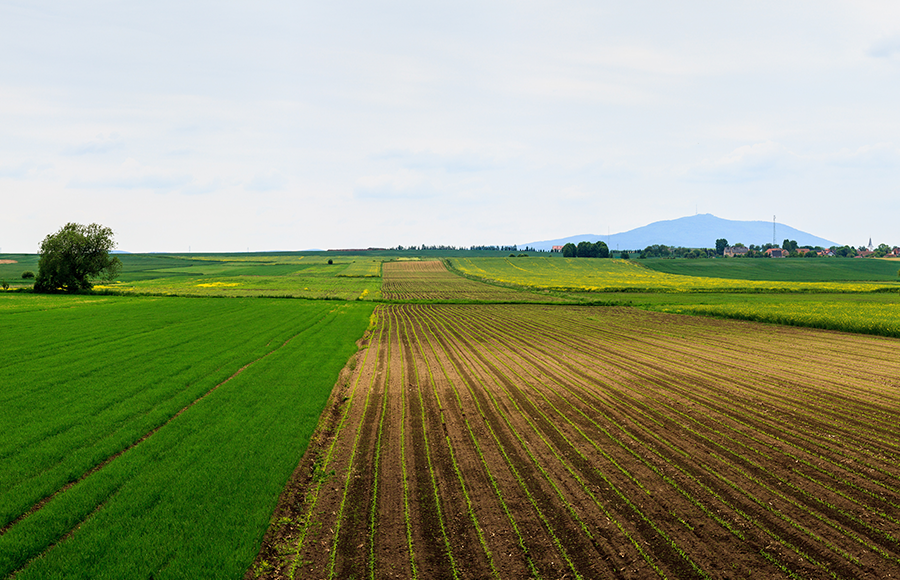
column 227, row 126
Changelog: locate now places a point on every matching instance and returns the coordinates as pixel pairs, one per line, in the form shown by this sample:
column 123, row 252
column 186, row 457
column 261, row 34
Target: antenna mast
column 773, row 231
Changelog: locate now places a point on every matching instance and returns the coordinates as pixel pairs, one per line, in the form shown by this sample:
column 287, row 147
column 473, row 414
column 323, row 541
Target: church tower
column 870, row 246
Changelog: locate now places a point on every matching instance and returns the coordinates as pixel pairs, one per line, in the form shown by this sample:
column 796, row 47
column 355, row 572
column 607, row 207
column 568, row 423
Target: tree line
column 423, row 247
column 794, row 250
column 585, row 249
column 663, row 251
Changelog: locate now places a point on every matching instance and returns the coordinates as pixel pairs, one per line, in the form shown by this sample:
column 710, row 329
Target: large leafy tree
column 569, row 250
column 73, row 256
column 585, row 250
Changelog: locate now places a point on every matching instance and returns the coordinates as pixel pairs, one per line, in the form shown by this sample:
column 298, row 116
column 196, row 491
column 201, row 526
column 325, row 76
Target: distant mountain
column 696, row 231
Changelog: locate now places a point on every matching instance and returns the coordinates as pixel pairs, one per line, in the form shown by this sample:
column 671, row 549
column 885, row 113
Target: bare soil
column 430, row 280
column 9, row 262
column 508, row 441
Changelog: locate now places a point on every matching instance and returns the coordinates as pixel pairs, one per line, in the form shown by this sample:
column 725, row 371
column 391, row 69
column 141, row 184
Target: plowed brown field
column 479, row 441
column 430, row 280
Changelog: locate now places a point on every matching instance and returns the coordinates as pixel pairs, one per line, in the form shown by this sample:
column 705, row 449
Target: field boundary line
column 312, row 496
column 332, row 561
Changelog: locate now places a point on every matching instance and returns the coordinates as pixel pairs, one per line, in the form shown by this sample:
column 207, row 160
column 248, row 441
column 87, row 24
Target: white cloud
column 584, row 89
column 880, row 155
column 886, row 47
column 133, row 175
column 454, row 162
column 24, row 170
column 99, row 145
column 402, row 184
column 644, row 58
column 764, row 160
column 267, row 181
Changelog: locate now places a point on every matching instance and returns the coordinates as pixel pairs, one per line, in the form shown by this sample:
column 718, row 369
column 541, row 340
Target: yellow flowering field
column 362, row 268
column 311, row 285
column 609, row 275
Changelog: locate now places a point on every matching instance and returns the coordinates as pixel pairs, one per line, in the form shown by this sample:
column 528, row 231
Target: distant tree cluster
column 663, row 251
column 423, row 247
column 882, row 250
column 656, row 251
column 794, row 250
column 513, row 248
column 844, row 251
column 586, row 249
column 721, row 244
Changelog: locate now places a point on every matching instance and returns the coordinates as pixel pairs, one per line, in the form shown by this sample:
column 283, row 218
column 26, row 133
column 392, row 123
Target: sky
column 272, row 125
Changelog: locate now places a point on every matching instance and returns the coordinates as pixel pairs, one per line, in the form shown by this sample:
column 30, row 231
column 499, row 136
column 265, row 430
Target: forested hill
column 696, row 231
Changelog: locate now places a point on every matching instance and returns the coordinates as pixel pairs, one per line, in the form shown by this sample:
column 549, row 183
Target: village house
column 556, row 249
column 776, row 253
column 732, row 251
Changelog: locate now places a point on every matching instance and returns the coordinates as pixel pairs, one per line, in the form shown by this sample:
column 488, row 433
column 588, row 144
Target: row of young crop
column 542, row 423
column 559, row 411
column 435, row 479
column 731, row 441
column 430, row 280
column 507, row 383
column 589, row 442
column 163, row 421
